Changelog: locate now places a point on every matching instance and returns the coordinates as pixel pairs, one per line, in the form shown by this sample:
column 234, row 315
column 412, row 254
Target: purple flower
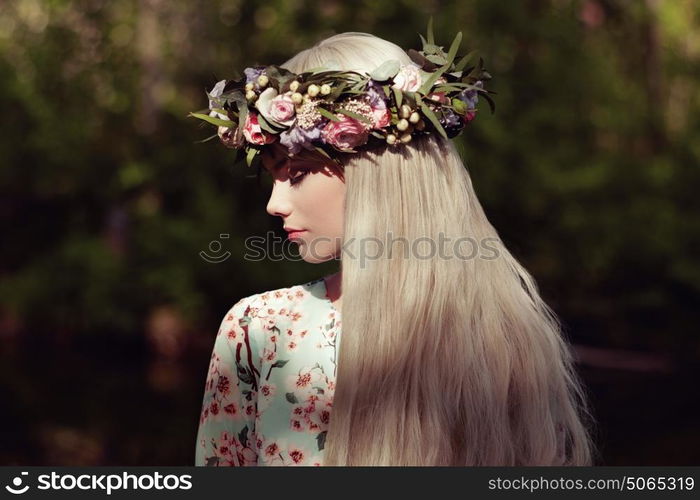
column 450, row 119
column 451, row 122
column 376, row 96
column 215, row 93
column 297, row 137
column 252, row 74
column 470, row 97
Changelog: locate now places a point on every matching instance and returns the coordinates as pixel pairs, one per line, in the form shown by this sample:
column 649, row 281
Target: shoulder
column 260, row 311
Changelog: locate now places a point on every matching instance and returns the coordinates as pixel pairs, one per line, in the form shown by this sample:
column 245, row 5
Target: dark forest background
column 589, row 170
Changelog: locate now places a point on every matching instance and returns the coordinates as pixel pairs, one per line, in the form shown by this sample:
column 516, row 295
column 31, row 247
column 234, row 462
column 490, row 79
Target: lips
column 292, row 235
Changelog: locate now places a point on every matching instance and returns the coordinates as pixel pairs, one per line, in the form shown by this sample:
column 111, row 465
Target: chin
column 316, row 259
column 317, row 256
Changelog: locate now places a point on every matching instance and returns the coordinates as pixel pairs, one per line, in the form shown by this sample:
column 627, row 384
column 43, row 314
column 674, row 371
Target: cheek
column 324, row 201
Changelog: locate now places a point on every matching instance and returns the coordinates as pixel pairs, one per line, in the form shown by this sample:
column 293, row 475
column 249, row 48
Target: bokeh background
column 589, row 169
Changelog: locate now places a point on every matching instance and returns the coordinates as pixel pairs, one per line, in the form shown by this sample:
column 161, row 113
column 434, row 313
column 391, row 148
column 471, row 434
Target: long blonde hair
column 442, row 361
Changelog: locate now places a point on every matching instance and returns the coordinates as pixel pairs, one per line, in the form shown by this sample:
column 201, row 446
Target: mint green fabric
column 269, row 390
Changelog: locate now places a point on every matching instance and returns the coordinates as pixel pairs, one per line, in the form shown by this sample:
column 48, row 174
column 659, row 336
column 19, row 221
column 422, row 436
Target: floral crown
column 329, row 110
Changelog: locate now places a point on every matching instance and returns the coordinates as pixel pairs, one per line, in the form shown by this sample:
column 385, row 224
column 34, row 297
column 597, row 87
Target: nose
column 279, row 203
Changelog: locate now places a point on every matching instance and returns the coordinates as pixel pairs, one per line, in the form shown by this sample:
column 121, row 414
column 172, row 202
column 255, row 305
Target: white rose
column 408, row 78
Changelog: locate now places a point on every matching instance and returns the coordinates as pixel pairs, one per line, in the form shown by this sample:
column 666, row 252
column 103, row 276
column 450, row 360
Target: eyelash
column 298, row 178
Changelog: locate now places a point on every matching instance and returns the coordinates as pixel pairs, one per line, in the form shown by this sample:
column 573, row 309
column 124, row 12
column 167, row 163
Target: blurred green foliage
column 588, row 168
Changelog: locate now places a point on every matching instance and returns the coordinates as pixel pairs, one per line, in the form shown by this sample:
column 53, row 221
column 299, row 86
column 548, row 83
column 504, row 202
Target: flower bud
column 420, row 125
column 313, row 90
column 263, row 80
column 294, row 86
column 405, row 138
column 414, row 118
column 325, row 89
column 405, row 111
column 297, row 97
column 391, row 139
column 249, row 86
column 460, row 106
column 250, row 95
column 402, row 124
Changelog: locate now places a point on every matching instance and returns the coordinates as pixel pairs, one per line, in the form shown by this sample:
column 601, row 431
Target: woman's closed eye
column 298, row 177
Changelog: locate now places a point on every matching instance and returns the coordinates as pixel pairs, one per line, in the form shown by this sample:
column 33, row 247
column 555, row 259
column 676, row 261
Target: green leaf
column 207, row 139
column 463, row 62
column 354, row 115
column 358, row 87
column 235, row 95
column 429, row 48
column 213, row 120
column 386, row 70
column 323, row 152
column 425, row 88
column 250, row 156
column 492, row 104
column 265, row 125
column 453, row 48
column 429, row 32
column 423, row 41
column 398, row 95
column 436, row 59
column 220, row 110
column 464, row 86
column 280, row 363
column 447, row 88
column 327, row 114
column 433, row 119
column 291, row 398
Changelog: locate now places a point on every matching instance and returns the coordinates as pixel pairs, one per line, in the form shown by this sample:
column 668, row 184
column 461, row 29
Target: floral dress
column 269, row 390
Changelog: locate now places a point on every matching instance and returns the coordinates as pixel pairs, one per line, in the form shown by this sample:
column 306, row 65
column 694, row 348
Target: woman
column 448, row 355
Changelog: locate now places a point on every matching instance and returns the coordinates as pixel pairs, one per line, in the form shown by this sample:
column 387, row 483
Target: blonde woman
column 430, row 346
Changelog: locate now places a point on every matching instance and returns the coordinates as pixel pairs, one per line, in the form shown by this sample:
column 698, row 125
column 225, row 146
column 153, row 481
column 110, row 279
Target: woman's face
column 308, row 193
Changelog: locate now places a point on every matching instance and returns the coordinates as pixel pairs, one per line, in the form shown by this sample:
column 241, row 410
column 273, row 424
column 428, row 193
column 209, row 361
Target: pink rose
column 253, row 133
column 408, row 78
column 276, row 109
column 282, row 109
column 347, row 133
column 381, row 116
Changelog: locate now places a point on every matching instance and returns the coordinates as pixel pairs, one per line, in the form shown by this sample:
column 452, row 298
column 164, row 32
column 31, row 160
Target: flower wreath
column 330, row 111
